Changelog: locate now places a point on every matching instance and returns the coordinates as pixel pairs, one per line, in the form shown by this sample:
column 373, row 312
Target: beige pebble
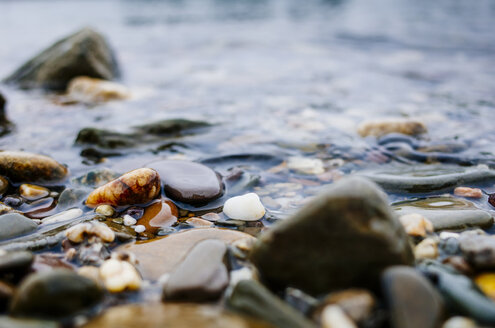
column 358, row 304
column 334, row 317
column 105, row 210
column 77, row 233
column 426, row 249
column 468, row 192
column 91, row 90
column 416, row 224
column 380, row 128
column 459, row 322
column 33, row 192
column 306, row 165
column 119, row 276
column 199, row 223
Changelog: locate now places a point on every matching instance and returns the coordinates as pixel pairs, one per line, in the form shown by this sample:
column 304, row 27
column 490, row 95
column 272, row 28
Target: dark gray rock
column 15, row 224
column 188, row 182
column 202, row 276
column 412, row 300
column 251, row 298
column 85, row 52
column 55, row 294
column 16, row 262
column 343, row 238
column 478, row 250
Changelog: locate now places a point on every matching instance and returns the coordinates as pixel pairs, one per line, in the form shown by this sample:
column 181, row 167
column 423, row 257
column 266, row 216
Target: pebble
column 426, row 249
column 199, row 223
column 460, row 322
column 17, row 263
column 202, row 276
column 247, row 207
column 140, row 228
column 63, row 216
column 486, row 282
column 358, row 304
column 119, row 276
column 333, row 316
column 468, row 192
column 9, row 322
column 478, row 250
column 90, row 272
column 32, row 192
column 158, row 215
column 135, row 187
column 188, row 182
column 78, row 233
column 21, row 166
column 4, row 185
column 15, row 224
column 416, row 225
column 129, row 220
column 90, row 90
column 306, row 165
column 105, row 210
column 379, row 128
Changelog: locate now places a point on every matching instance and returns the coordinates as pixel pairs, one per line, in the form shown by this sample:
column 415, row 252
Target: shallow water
column 277, row 77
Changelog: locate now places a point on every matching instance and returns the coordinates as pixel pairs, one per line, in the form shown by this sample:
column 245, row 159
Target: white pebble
column 459, row 322
column 63, row 216
column 447, row 235
column 247, row 207
column 139, row 228
column 306, row 165
column 129, row 220
column 119, row 275
column 334, row 317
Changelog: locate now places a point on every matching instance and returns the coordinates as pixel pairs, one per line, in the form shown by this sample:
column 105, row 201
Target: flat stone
column 85, row 52
column 253, row 299
column 188, row 182
column 202, row 276
column 162, row 255
column 342, row 238
column 21, row 166
column 54, row 294
column 15, row 224
column 412, row 300
column 447, row 212
column 160, row 214
column 171, row 315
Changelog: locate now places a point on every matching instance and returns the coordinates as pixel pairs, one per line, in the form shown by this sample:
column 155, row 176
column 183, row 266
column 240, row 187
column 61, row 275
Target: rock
column 412, row 300
column 32, row 192
column 119, row 276
column 17, row 263
column 85, row 52
column 21, row 166
column 135, row 187
column 342, row 238
column 154, row 315
column 90, row 90
column 199, row 223
column 26, row 323
column 55, row 294
column 71, row 197
column 202, row 276
column 171, row 127
column 468, row 192
column 15, row 224
column 486, row 283
column 447, row 212
column 96, row 178
column 188, row 182
column 172, row 249
column 426, row 249
column 306, row 165
column 478, row 250
column 358, row 304
column 333, row 317
column 459, row 322
column 79, row 232
column 247, row 207
column 416, row 225
column 252, row 299
column 4, row 185
column 105, row 210
column 160, row 214
column 379, row 128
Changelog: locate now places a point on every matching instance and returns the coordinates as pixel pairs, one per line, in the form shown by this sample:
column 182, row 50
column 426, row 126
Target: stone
column 54, row 294
column 468, row 192
column 199, row 223
column 21, row 166
column 486, row 283
column 342, row 238
column 252, row 299
column 188, row 182
column 17, row 263
column 79, row 232
column 358, row 304
column 379, row 128
column 416, row 225
column 9, row 322
column 478, row 250
column 160, row 214
column 162, row 255
column 306, row 165
column 426, row 249
column 64, row 216
column 171, row 127
column 202, row 276
column 447, row 213
column 72, row 197
column 90, row 90
column 105, row 210
column 246, row 207
column 119, row 276
column 32, row 192
column 333, row 316
column 460, row 322
column 4, row 185
column 412, row 300
column 85, row 52
column 96, row 178
column 135, row 187
column 15, row 224
column 152, row 315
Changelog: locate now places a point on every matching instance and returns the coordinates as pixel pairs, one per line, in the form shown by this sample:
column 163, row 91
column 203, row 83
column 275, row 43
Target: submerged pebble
column 21, row 166
column 247, row 207
column 160, row 214
column 33, row 192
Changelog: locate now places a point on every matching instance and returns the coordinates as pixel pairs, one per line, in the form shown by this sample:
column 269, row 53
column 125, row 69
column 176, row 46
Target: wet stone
column 358, row 304
column 412, row 300
column 14, row 224
column 90, row 90
column 188, row 182
column 4, row 185
column 10, row 322
column 348, row 234
column 54, row 294
column 478, row 250
column 21, row 166
column 246, row 207
column 160, row 214
column 85, row 52
column 447, row 212
column 17, row 263
column 32, row 192
column 96, row 178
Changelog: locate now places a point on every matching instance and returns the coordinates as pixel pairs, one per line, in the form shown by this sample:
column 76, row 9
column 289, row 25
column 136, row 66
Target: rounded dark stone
column 188, row 182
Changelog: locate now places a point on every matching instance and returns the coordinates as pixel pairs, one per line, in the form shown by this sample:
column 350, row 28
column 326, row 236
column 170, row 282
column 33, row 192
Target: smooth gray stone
column 478, row 250
column 15, row 224
column 251, row 298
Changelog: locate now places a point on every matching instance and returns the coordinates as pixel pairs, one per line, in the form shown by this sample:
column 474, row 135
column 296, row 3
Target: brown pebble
column 160, row 214
column 468, row 192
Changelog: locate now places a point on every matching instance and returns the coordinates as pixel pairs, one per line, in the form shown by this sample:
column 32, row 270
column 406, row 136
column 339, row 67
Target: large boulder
column 85, row 52
column 345, row 237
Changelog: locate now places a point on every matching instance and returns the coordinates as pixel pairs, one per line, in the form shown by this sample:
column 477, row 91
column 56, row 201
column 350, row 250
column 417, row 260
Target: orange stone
column 160, row 214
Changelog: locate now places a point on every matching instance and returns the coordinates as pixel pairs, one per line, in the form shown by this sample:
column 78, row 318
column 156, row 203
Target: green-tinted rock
column 84, row 53
column 15, row 224
column 55, row 294
column 251, row 298
column 343, row 238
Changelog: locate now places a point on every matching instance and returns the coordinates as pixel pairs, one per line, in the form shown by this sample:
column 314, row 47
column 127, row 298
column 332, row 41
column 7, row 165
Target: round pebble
column 247, row 207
